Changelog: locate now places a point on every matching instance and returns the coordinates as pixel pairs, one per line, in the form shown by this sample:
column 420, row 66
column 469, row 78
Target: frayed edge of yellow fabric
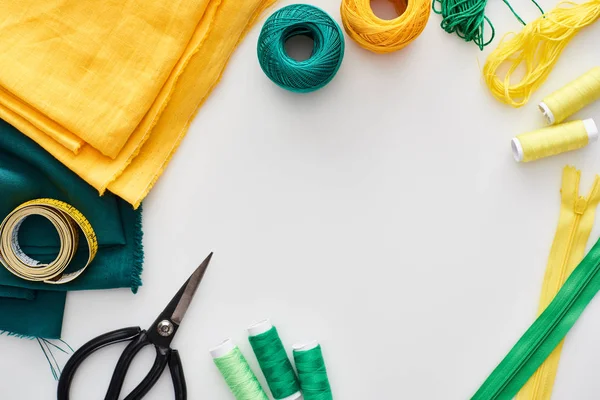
column 184, row 130
column 102, row 189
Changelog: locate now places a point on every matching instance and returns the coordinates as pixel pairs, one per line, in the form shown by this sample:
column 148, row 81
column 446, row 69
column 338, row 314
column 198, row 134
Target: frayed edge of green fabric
column 17, row 335
column 138, row 253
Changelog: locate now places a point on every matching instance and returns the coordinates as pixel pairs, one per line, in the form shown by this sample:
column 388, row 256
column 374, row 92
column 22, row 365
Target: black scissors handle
column 139, row 340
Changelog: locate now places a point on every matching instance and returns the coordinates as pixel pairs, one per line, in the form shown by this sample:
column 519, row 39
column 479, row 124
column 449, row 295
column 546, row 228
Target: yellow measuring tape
column 65, row 219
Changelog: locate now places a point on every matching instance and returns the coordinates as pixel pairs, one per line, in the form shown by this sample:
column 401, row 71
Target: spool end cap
column 222, row 349
column 591, row 128
column 547, row 113
column 293, row 396
column 517, row 149
column 305, row 346
column 260, row 327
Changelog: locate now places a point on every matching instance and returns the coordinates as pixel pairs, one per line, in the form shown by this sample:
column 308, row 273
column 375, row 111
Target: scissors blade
column 190, row 290
column 165, row 327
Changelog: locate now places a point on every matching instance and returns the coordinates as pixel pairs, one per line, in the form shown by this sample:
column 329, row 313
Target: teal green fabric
column 35, row 309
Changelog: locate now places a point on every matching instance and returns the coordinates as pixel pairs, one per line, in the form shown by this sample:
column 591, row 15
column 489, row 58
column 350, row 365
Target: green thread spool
column 273, row 361
column 328, row 49
column 311, row 371
column 237, row 373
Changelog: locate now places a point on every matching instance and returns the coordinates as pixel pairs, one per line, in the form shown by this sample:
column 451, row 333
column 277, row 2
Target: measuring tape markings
column 65, row 219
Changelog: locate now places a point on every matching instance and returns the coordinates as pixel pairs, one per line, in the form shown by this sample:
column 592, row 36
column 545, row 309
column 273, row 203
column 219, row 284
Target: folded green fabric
column 35, row 309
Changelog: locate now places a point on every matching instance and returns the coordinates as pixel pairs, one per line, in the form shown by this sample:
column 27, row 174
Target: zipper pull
column 580, row 205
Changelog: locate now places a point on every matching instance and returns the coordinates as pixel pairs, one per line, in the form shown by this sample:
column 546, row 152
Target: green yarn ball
column 328, row 50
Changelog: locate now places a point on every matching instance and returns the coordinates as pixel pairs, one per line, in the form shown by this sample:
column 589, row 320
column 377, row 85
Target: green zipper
column 546, row 332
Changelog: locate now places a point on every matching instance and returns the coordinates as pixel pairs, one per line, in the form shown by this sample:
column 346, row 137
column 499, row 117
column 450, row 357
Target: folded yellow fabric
column 109, row 88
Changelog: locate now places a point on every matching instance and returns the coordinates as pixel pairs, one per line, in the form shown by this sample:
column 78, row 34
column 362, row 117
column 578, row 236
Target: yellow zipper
column 575, row 224
column 544, row 373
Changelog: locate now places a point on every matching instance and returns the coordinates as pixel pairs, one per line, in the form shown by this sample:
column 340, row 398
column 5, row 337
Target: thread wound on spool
column 275, row 364
column 533, row 52
column 553, row 140
column 384, row 36
column 237, row 373
column 571, row 98
column 328, row 49
column 312, row 372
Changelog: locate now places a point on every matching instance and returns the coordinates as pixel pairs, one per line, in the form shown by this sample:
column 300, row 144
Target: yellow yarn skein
column 380, row 35
column 537, row 49
column 566, row 101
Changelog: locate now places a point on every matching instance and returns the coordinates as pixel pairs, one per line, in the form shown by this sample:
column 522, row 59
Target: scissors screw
column 165, row 328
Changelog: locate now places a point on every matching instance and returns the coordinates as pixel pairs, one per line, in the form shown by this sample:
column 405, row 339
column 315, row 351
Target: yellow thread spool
column 566, row 101
column 554, row 140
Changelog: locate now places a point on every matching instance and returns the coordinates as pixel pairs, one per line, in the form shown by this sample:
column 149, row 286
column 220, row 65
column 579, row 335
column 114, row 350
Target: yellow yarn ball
column 380, row 35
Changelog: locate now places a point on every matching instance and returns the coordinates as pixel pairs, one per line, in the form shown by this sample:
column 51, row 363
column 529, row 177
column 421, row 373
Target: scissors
column 160, row 334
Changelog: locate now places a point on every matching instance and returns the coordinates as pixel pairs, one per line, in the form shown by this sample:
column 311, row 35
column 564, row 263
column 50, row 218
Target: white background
column 382, row 215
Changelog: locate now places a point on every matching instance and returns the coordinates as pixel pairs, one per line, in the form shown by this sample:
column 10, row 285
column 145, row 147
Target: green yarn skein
column 467, row 19
column 275, row 364
column 328, row 50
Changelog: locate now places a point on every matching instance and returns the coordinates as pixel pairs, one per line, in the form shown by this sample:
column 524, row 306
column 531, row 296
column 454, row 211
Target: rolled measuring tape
column 66, row 219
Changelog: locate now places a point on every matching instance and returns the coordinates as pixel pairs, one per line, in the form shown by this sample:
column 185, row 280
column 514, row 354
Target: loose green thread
column 47, row 350
column 312, row 374
column 275, row 364
column 325, row 60
column 538, row 7
column 239, row 376
column 467, row 19
column 514, row 12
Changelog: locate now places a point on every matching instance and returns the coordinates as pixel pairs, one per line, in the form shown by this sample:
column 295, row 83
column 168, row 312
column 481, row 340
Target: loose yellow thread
column 533, row 52
column 566, row 101
column 577, row 214
column 554, row 140
column 380, row 35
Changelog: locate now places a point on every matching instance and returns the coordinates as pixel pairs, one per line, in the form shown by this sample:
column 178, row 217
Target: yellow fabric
column 575, row 223
column 109, row 88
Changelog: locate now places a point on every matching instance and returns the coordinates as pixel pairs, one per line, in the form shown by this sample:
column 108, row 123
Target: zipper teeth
column 539, row 375
column 563, row 267
column 581, row 287
column 563, row 270
column 541, row 338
